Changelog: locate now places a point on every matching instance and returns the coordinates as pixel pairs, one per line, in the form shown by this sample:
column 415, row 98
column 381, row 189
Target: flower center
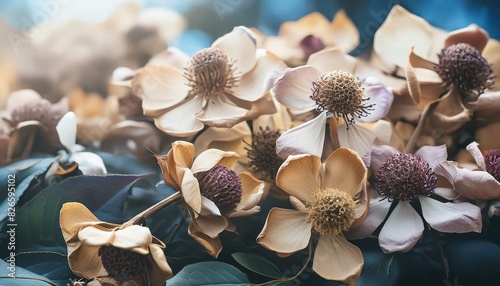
column 222, row 186
column 124, row 265
column 492, row 161
column 262, row 155
column 404, row 177
column 210, row 73
column 39, row 110
column 331, row 211
column 341, row 94
column 465, row 67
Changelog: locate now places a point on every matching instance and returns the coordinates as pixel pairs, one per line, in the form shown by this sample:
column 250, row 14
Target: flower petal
column 210, row 221
column 160, row 87
column 357, row 138
column 377, row 212
column 134, row 237
column 433, row 155
column 332, row 59
column 220, row 112
column 253, row 190
column 477, row 155
column 285, row 231
column 306, row 138
column 190, row 190
column 408, row 31
column 294, row 88
column 380, row 154
column 85, row 262
column 254, row 83
column 402, row 230
column 379, row 96
column 170, row 122
column 337, row 259
column 477, row 185
column 161, row 270
column 300, row 186
column 238, row 45
column 346, row 35
column 472, row 35
column 66, row 129
column 211, row 157
column 212, row 245
column 451, row 217
column 345, row 171
column 74, row 216
column 93, row 236
column 89, row 163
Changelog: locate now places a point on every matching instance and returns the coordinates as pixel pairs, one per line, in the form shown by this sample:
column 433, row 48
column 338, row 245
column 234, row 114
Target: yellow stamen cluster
column 331, row 211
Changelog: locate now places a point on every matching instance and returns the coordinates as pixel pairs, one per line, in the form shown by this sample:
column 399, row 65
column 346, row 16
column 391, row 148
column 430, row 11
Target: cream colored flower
column 212, row 192
column 297, row 40
column 330, row 198
column 326, row 90
column 220, row 86
column 97, row 248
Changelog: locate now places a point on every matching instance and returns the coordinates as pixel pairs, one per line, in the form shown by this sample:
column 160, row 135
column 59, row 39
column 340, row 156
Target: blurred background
column 52, row 46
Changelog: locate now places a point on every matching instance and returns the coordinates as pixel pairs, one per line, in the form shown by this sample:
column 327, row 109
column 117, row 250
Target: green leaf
column 209, row 273
column 23, row 277
column 38, row 220
column 257, row 264
column 17, row 178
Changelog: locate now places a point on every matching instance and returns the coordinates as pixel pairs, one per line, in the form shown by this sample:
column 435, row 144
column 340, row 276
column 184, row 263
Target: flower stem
column 153, row 209
column 410, row 146
column 286, row 279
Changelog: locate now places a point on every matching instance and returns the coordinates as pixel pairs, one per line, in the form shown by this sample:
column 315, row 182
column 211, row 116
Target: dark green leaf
column 209, row 273
column 17, row 178
column 257, row 264
column 38, row 220
column 23, row 277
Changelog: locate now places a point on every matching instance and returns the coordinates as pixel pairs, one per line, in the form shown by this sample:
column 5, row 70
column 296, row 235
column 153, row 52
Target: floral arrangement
column 259, row 160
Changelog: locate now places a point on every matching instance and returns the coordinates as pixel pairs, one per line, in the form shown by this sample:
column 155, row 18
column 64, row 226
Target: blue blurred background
column 211, row 19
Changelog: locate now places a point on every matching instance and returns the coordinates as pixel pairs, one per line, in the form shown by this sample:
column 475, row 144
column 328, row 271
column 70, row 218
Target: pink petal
column 379, row 96
column 377, row 212
column 380, row 154
column 477, row 185
column 477, row 155
column 451, row 217
column 402, row 230
column 432, row 154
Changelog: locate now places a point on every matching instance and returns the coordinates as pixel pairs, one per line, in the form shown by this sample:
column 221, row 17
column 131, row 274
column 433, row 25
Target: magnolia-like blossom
column 401, row 180
column 326, row 90
column 212, row 192
column 98, row 249
column 329, row 198
column 297, row 40
column 219, row 86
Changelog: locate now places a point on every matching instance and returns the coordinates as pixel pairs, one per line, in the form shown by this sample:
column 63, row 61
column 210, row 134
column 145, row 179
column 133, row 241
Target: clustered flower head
column 285, row 145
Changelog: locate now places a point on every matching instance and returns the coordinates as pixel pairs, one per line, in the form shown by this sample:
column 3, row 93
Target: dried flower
column 212, row 192
column 124, row 253
column 330, row 199
column 220, row 86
